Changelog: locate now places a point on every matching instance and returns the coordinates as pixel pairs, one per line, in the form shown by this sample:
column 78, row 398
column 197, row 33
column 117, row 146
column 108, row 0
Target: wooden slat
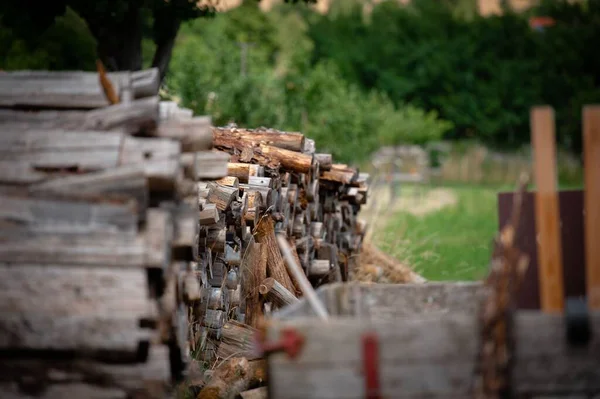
column 428, row 356
column 68, row 89
column 546, row 210
column 76, row 308
column 591, row 148
column 105, row 250
column 67, row 215
column 130, row 117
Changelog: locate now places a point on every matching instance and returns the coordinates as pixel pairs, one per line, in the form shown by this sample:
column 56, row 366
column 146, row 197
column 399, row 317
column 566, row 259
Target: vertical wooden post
column 550, row 269
column 591, row 154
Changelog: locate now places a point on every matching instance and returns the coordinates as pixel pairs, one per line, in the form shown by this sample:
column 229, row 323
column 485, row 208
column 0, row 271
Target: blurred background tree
column 355, row 78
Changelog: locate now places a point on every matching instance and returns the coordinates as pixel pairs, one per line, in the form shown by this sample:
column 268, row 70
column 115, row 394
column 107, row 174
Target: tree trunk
column 164, row 47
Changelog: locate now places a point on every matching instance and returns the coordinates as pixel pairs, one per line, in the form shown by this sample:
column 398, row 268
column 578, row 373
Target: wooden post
column 591, row 148
column 550, row 270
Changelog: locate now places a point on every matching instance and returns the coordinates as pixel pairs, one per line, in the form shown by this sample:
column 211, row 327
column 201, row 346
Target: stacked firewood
column 98, row 224
column 276, row 184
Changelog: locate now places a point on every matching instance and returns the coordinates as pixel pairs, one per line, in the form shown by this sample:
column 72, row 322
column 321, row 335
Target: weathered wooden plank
column 194, row 134
column 591, row 152
column 129, row 180
column 70, row 378
column 159, row 233
column 72, row 308
column 379, row 302
column 68, row 215
column 116, row 250
column 130, row 117
column 436, row 358
column 58, row 149
column 211, row 165
column 70, row 89
column 546, row 210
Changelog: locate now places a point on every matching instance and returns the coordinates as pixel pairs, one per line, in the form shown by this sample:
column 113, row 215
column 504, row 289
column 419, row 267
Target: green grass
column 453, row 243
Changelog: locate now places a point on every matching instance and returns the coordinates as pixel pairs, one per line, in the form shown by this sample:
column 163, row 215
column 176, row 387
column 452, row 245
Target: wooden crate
column 428, row 341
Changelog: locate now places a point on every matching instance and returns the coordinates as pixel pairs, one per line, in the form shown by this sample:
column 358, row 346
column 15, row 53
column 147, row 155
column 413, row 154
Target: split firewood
column 265, row 234
column 276, row 293
column 254, row 270
column 230, row 379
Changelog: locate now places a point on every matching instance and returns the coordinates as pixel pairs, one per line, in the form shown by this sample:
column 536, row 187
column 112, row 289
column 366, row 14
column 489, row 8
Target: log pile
column 276, row 184
column 98, row 229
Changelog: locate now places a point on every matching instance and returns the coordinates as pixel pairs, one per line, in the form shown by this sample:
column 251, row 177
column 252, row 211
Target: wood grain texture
column 59, row 215
column 435, row 360
column 265, row 234
column 254, row 270
column 290, row 160
column 286, row 140
column 546, row 210
column 130, row 117
column 72, row 308
column 70, row 89
column 591, row 153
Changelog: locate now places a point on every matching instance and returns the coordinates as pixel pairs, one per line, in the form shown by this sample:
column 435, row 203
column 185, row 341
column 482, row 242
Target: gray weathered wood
column 106, row 250
column 392, row 301
column 70, row 89
column 276, row 293
column 131, row 117
column 81, row 378
column 159, row 234
column 74, row 308
column 436, row 358
column 211, row 164
column 129, row 180
column 67, row 215
column 194, row 134
column 256, row 393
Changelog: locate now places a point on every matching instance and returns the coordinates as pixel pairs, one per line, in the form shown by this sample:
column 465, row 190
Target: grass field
column 451, row 243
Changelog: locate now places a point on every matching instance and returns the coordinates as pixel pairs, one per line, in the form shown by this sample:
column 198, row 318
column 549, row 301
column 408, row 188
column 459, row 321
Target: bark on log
column 265, row 234
column 289, row 160
column 254, row 270
column 289, row 141
column 276, row 293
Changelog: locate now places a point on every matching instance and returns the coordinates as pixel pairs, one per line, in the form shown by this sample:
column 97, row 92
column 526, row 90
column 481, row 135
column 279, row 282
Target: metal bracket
column 370, row 347
column 577, row 321
column 290, row 342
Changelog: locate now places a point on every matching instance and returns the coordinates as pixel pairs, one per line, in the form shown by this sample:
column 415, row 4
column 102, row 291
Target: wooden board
column 67, row 89
column 84, row 378
column 591, row 146
column 131, row 117
column 390, row 301
column 106, row 250
column 67, row 215
column 429, row 356
column 72, row 308
column 546, row 210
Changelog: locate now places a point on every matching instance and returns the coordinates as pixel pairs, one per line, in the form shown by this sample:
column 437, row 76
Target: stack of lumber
column 276, row 184
column 98, row 225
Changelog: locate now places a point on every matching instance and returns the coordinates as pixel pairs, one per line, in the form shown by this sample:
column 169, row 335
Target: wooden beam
column 591, row 153
column 550, row 269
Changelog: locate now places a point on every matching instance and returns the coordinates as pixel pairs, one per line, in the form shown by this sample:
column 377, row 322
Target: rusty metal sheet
column 572, row 238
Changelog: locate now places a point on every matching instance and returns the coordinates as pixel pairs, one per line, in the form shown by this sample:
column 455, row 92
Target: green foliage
column 483, row 74
column 65, row 44
column 277, row 87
